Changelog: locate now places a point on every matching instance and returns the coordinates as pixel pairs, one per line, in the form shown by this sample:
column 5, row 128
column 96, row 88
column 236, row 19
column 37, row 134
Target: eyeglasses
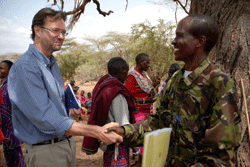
column 56, row 31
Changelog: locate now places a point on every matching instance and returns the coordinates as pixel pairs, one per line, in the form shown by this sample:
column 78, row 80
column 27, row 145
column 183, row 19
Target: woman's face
column 145, row 64
column 4, row 70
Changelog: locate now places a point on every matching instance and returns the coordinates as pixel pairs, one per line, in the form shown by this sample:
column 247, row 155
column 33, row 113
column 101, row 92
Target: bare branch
column 176, row 13
column 186, row 3
column 183, row 7
column 78, row 10
column 55, row 2
column 100, row 11
column 126, row 5
column 62, row 4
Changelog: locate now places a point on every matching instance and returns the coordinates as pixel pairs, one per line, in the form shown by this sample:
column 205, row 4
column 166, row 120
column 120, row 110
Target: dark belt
column 50, row 141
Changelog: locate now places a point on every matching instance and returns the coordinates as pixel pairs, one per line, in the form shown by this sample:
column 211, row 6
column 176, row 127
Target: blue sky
column 16, row 17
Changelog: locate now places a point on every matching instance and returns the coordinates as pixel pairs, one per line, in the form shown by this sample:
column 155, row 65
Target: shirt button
column 196, row 129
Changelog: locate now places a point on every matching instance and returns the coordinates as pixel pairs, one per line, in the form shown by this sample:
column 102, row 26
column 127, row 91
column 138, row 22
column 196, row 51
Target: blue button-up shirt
column 36, row 91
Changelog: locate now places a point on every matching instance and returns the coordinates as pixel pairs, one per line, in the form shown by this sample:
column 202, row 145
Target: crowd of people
column 198, row 101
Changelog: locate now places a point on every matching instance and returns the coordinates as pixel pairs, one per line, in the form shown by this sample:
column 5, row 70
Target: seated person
column 88, row 102
column 82, row 98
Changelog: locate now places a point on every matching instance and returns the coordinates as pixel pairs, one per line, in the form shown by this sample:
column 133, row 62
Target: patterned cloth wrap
column 143, row 80
column 122, row 159
column 2, row 138
column 139, row 84
column 202, row 112
column 12, row 146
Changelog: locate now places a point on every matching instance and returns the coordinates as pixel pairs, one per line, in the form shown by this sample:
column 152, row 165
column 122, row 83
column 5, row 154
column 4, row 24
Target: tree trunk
column 232, row 53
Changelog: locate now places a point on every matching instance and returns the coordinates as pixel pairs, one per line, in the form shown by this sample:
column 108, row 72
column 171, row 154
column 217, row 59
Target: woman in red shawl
column 139, row 84
column 111, row 102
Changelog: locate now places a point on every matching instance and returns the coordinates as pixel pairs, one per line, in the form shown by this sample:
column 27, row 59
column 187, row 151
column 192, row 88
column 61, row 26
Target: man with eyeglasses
column 36, row 91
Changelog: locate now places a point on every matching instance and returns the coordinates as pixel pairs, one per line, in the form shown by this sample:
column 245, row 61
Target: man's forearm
column 79, row 129
column 98, row 132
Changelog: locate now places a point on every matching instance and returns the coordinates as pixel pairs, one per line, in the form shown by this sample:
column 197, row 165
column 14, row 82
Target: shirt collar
column 197, row 72
column 41, row 57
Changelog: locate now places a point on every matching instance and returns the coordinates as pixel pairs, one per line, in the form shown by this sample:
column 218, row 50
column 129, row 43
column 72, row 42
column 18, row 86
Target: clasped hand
column 113, row 133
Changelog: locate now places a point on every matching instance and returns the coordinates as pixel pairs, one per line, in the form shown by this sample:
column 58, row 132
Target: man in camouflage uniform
column 199, row 103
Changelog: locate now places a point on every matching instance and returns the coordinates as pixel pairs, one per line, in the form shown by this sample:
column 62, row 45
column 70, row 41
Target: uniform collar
column 197, row 72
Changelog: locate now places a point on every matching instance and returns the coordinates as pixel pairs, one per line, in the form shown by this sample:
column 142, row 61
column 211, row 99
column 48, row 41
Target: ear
column 37, row 31
column 201, row 41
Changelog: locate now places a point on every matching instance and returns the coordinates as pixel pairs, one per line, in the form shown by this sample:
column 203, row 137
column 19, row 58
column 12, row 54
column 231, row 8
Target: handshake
column 108, row 134
column 112, row 133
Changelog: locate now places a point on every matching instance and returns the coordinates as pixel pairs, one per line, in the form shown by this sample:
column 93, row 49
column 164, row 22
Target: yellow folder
column 155, row 148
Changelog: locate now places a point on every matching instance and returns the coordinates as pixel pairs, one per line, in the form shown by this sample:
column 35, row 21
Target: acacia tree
column 69, row 58
column 96, row 58
column 120, row 44
column 101, row 49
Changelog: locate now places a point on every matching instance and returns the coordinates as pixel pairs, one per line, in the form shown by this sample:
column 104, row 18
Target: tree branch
column 62, row 4
column 100, row 11
column 79, row 9
column 175, row 13
column 183, row 7
column 186, row 3
column 126, row 5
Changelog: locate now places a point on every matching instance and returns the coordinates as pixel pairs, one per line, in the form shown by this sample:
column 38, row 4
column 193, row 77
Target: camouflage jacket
column 202, row 112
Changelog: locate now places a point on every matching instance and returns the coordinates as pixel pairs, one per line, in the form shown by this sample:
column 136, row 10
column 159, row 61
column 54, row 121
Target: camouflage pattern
column 202, row 112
